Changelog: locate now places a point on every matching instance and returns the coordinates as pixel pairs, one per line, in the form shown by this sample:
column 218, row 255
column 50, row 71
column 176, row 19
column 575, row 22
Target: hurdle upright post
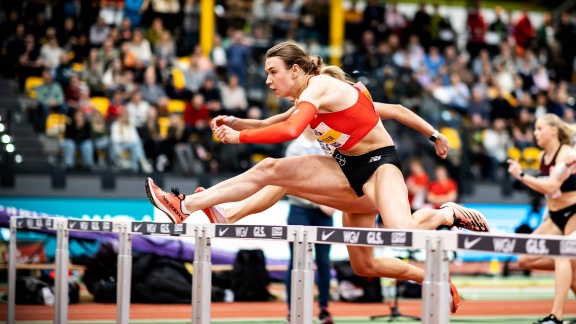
column 201, row 277
column 435, row 288
column 61, row 264
column 124, row 274
column 12, row 250
column 302, row 288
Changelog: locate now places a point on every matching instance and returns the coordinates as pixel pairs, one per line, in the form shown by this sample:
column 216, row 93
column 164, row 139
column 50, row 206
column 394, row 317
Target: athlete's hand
column 514, row 168
column 227, row 135
column 220, row 120
column 442, row 146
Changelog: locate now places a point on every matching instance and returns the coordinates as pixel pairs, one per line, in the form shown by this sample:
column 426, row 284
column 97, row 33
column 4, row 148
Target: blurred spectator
column 64, row 71
column 151, row 138
column 14, row 46
column 126, row 30
column 194, row 77
column 190, row 25
column 522, row 131
column 417, row 184
column 112, row 78
column 99, row 32
column 373, row 18
column 524, row 32
column 501, row 108
column 541, row 79
column 395, row 20
column 164, row 47
column 178, row 139
column 479, row 106
column 100, row 137
column 442, row 189
column 204, row 62
column 50, row 53
column 133, row 11
column 421, row 25
column 565, row 34
column 116, row 106
column 219, row 57
column 456, row 94
column 197, row 118
column 497, row 31
column 433, row 61
column 72, row 92
column 496, row 142
column 108, row 53
column 166, row 10
column 84, row 103
column 124, row 137
column 30, row 62
column 155, row 31
column 112, row 11
column 476, row 26
column 81, row 49
column 78, row 137
column 234, row 99
column 284, row 19
column 50, row 98
column 211, row 95
column 150, row 90
column 138, row 109
column 140, row 46
column 93, row 74
column 238, row 55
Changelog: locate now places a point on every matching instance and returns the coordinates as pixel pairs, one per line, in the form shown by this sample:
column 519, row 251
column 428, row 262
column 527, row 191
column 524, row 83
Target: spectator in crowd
column 155, row 31
column 138, row 109
column 133, row 11
column 190, row 25
column 50, row 97
column 164, row 47
column 78, row 137
column 524, row 32
column 112, row 79
column 442, row 189
column 100, row 136
column 219, row 57
column 417, row 183
column 99, row 32
column 93, row 74
column 496, row 142
column 85, row 103
column 72, row 92
column 64, row 71
column 50, row 53
column 124, row 137
column 115, row 106
column 522, row 131
column 178, row 140
column 151, row 138
column 14, row 46
column 234, row 98
column 285, row 18
column 238, row 55
column 151, row 91
column 29, row 61
column 476, row 26
column 141, row 49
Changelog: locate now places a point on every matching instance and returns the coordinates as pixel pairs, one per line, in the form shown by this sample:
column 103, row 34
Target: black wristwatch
column 521, row 175
column 434, row 136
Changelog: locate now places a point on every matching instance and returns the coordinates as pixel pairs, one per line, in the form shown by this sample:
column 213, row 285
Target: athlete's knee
column 364, row 268
column 266, row 168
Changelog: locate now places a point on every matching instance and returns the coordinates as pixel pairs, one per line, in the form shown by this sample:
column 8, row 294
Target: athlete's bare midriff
column 377, row 138
column 566, row 199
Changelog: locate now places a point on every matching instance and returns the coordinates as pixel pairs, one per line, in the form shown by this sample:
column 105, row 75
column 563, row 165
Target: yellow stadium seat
column 514, row 153
column 531, row 158
column 178, row 79
column 31, row 83
column 77, row 67
column 55, row 125
column 101, row 104
column 163, row 123
column 257, row 157
column 452, row 136
column 176, row 106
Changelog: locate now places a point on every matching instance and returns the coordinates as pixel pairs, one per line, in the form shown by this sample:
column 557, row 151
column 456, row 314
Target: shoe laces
column 176, row 193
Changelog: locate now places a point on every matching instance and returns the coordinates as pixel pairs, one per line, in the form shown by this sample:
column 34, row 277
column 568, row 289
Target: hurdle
column 436, row 289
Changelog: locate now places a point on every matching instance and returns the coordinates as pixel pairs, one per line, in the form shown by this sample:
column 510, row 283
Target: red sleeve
column 284, row 131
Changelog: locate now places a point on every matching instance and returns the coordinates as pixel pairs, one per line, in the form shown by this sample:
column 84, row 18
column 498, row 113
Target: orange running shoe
column 215, row 214
column 468, row 218
column 455, row 298
column 169, row 203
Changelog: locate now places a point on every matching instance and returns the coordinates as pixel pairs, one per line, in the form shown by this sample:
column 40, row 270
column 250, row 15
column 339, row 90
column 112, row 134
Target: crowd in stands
column 137, row 92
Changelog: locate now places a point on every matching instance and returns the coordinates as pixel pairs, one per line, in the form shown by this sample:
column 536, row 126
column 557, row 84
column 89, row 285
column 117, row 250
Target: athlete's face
column 279, row 77
column 543, row 132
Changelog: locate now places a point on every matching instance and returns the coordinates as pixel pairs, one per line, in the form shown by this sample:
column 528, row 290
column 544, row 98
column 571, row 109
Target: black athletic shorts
column 358, row 169
column 561, row 217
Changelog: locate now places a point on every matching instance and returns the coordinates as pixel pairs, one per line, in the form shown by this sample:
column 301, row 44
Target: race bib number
column 329, row 138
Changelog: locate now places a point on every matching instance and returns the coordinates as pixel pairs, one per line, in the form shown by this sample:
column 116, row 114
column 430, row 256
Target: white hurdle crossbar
column 436, row 287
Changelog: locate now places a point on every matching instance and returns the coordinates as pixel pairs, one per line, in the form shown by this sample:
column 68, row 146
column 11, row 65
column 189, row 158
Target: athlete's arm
column 408, row 118
column 244, row 123
column 547, row 186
